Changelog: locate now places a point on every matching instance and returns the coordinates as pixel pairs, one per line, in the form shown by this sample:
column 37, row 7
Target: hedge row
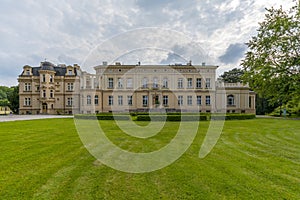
column 164, row 117
column 194, row 117
column 103, row 117
column 171, row 118
column 232, row 117
column 162, row 113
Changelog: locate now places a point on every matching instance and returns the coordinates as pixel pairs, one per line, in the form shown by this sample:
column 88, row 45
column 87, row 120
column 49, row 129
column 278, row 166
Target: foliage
column 9, row 96
column 194, row 117
column 263, row 106
column 3, row 92
column 4, row 102
column 232, row 117
column 272, row 63
column 253, row 159
column 13, row 98
column 171, row 118
column 292, row 109
column 105, row 116
column 232, row 76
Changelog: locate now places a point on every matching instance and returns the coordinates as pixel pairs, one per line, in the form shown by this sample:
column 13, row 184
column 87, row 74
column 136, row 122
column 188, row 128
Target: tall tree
column 272, row 63
column 13, row 98
column 3, row 92
column 232, row 76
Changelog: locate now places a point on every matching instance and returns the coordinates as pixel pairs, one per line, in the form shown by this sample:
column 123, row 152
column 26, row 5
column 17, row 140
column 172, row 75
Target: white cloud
column 67, row 30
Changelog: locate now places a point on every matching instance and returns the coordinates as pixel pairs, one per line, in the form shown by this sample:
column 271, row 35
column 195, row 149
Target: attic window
column 70, row 72
column 27, row 72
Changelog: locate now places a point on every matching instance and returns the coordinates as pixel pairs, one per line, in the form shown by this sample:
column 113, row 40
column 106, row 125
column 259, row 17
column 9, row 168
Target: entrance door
column 155, row 100
column 45, row 108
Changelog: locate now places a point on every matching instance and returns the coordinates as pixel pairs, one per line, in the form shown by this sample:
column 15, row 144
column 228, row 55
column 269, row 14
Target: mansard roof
column 60, row 70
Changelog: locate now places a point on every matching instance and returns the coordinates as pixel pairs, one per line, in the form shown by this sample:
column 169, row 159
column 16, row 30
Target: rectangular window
column 250, row 103
column 120, row 83
column 110, row 82
column 27, row 72
column 189, row 100
column 165, row 83
column 129, row 83
column 70, row 101
column 155, row 83
column 96, row 99
column 70, row 86
column 190, row 82
column 27, row 102
column 145, row 100
column 88, row 100
column 199, row 100
column 129, row 100
column 120, row 100
column 198, row 83
column 44, row 93
column 145, row 83
column 51, row 94
column 207, row 83
column 44, row 78
column 88, row 82
column 165, row 100
column 180, row 83
column 207, row 100
column 51, row 78
column 70, row 72
column 110, row 100
column 27, row 87
column 180, row 100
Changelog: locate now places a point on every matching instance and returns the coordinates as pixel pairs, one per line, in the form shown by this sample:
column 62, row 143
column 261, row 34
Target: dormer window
column 27, row 72
column 70, row 72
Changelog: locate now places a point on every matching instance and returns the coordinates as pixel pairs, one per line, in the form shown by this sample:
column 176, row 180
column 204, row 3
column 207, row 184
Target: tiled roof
column 59, row 71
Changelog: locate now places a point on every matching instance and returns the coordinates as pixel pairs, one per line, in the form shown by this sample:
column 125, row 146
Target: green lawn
column 253, row 159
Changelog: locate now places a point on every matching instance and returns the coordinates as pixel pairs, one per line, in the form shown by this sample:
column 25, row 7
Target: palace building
column 61, row 89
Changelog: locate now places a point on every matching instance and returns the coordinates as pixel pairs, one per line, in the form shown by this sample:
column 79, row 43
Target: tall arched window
column 230, row 100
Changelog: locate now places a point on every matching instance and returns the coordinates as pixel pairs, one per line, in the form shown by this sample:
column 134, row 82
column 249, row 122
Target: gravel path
column 6, row 118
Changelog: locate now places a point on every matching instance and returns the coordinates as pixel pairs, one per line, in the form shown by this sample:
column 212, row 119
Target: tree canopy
column 9, row 96
column 272, row 62
column 232, row 76
column 13, row 98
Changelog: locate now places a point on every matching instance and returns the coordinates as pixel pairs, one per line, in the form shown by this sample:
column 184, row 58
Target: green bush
column 167, row 117
column 103, row 117
column 171, row 118
column 232, row 117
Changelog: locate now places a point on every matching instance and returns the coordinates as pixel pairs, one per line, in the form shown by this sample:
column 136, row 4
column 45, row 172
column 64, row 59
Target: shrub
column 103, row 117
column 171, row 118
column 232, row 117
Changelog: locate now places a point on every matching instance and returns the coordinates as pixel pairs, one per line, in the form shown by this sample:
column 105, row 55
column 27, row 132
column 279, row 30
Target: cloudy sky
column 88, row 32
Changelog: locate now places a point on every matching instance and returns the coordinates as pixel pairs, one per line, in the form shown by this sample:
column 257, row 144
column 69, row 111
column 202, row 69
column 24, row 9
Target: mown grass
column 253, row 159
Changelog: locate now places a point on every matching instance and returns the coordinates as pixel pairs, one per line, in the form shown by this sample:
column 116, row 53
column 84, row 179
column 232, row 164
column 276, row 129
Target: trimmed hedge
column 194, row 117
column 167, row 117
column 173, row 118
column 233, row 117
column 103, row 117
column 164, row 113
